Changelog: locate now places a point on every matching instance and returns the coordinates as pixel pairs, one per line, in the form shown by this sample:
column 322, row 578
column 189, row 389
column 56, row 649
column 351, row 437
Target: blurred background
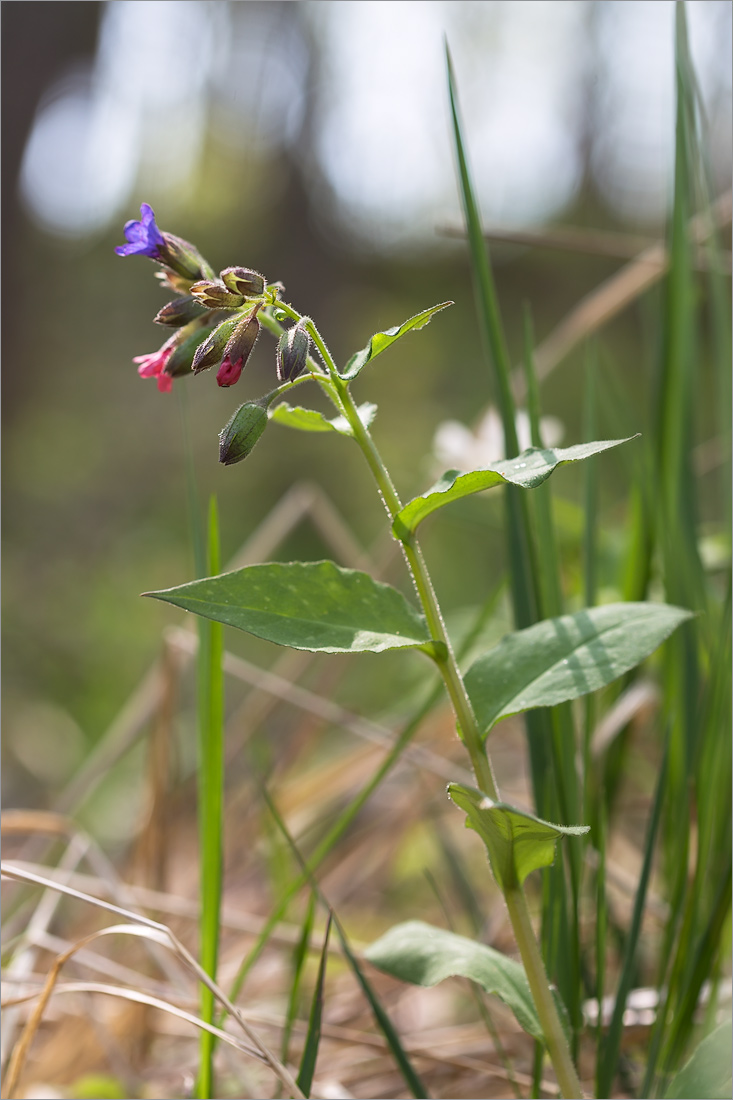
column 310, row 141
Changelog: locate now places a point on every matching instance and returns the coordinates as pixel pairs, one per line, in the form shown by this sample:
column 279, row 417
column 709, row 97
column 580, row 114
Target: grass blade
column 300, row 957
column 313, row 1038
column 609, row 1053
column 383, row 1021
column 210, row 805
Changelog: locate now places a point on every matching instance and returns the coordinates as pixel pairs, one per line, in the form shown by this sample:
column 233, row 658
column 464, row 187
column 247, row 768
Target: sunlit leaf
column 517, row 841
column 309, row 420
column 382, row 340
column 566, row 657
column 307, row 605
column 527, row 470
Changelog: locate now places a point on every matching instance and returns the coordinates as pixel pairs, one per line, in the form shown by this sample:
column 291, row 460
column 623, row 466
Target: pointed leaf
column 309, row 420
column 307, row 605
column 566, row 657
column 517, row 841
column 424, row 955
column 382, row 340
column 527, row 470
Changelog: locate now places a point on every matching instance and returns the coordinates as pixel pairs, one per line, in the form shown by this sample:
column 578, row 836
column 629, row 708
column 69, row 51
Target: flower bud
column 211, row 350
column 179, row 312
column 292, row 352
column 215, row 295
column 181, row 360
column 238, row 438
column 243, row 339
column 229, row 372
column 244, row 281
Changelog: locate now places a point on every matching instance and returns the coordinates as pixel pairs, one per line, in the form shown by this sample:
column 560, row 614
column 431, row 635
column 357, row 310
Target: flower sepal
column 179, row 312
column 244, row 429
column 292, row 352
column 244, row 281
column 213, row 348
column 215, row 295
column 188, row 341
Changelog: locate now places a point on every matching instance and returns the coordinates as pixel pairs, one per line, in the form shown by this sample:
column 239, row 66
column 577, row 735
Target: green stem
column 557, row 1046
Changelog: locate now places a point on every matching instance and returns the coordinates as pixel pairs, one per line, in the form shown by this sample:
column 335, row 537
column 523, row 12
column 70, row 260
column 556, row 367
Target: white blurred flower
column 458, row 448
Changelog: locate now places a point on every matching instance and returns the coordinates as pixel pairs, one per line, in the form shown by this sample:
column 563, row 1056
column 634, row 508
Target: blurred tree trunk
column 40, row 41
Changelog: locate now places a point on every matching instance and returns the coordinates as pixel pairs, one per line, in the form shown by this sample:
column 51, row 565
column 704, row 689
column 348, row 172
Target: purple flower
column 143, row 237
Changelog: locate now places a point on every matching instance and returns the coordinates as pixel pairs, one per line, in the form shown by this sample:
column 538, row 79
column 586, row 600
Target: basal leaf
column 517, row 842
column 527, row 470
column 382, row 340
column 307, row 605
column 708, row 1072
column 424, row 955
column 566, row 657
column 309, row 420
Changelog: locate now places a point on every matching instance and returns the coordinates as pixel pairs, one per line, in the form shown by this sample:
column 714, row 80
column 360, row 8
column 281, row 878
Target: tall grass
column 692, row 799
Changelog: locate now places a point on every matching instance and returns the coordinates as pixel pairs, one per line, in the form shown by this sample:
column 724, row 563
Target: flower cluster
column 214, row 317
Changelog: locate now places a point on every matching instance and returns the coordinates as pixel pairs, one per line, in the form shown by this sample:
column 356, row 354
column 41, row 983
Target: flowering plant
column 320, row 607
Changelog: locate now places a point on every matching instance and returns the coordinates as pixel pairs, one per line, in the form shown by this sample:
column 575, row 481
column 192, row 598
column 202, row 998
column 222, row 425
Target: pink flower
column 151, row 366
column 229, row 372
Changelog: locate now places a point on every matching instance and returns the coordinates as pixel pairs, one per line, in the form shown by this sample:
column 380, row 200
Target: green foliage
column 564, row 658
column 310, row 420
column 380, row 341
column 98, row 1086
column 517, row 842
column 528, row 470
column 210, row 805
column 313, row 1036
column 316, row 606
column 424, row 955
column 708, row 1072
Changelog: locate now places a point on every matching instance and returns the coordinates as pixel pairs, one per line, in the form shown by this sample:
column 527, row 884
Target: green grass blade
column 417, row 1088
column 300, row 957
column 313, row 1037
column 523, row 577
column 610, row 1049
column 487, row 304
column 383, row 1021
column 210, row 806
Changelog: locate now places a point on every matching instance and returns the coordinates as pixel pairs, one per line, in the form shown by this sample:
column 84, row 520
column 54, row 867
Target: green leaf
column 380, row 341
column 309, row 420
column 708, row 1072
column 424, row 955
column 517, row 841
column 527, row 470
column 307, row 605
column 566, row 657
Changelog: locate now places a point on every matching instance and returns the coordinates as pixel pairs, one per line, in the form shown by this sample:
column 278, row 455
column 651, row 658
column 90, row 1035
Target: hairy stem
column 516, row 902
